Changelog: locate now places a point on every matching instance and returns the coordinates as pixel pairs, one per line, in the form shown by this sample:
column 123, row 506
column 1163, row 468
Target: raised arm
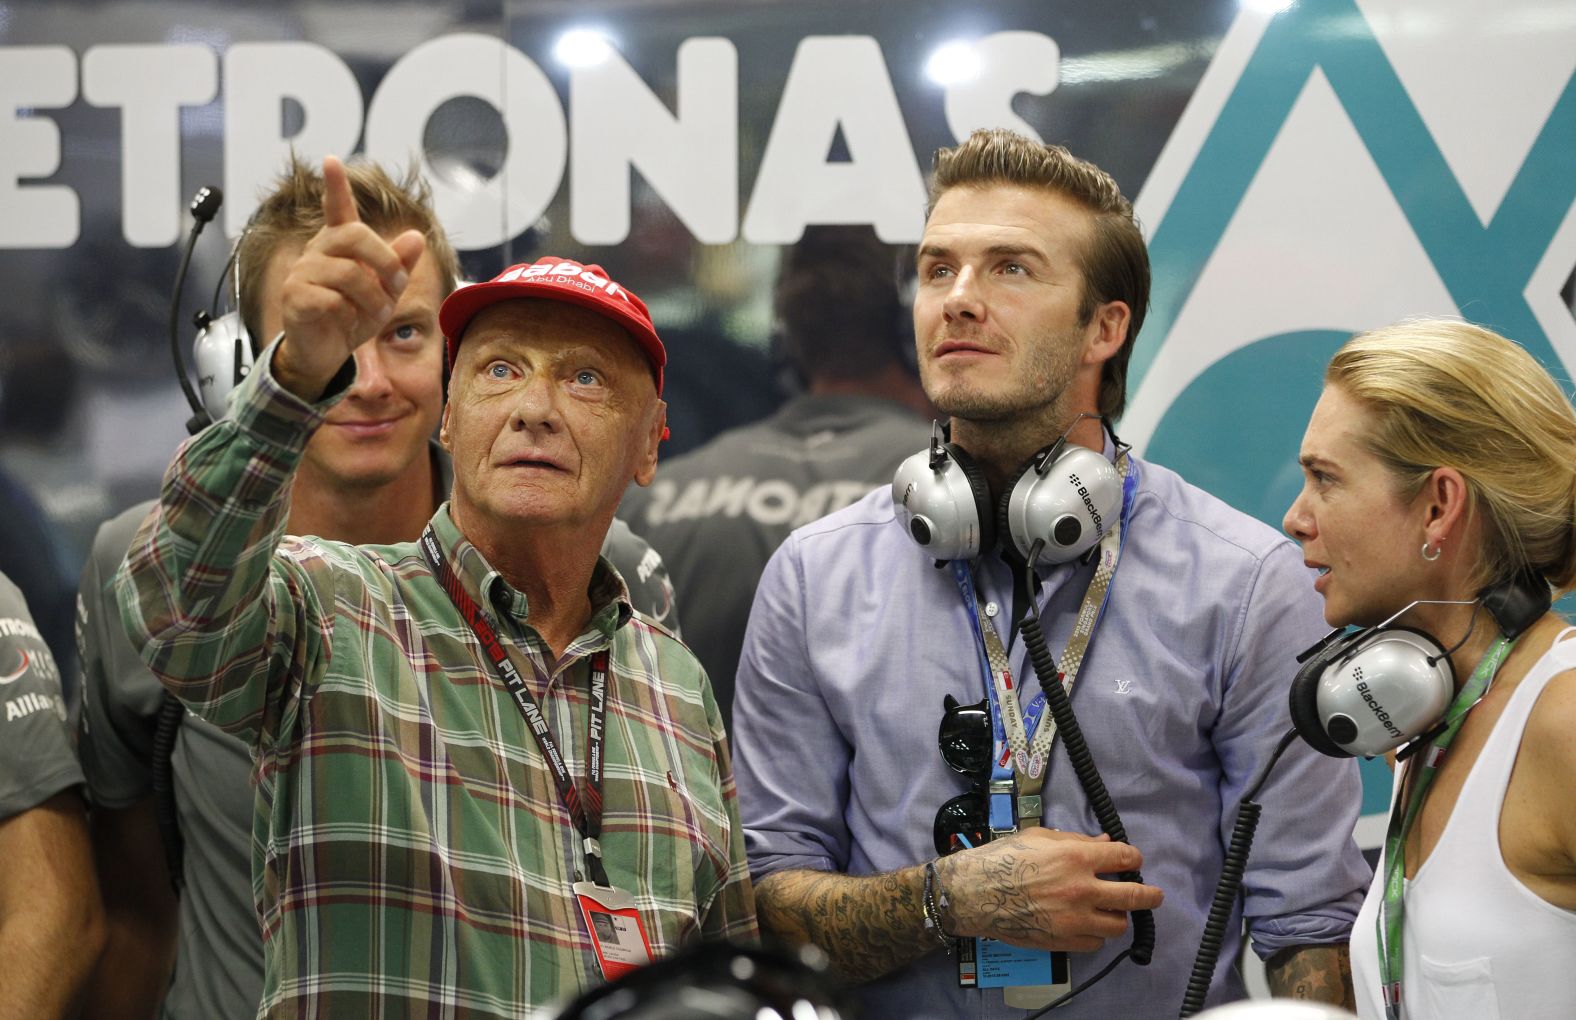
column 340, row 292
column 196, row 593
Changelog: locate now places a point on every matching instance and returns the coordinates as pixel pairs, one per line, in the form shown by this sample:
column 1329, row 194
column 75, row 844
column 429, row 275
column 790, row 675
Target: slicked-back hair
column 1115, row 262
column 293, row 211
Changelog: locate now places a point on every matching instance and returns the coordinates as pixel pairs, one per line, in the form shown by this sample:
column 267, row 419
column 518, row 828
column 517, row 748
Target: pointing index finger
column 339, row 203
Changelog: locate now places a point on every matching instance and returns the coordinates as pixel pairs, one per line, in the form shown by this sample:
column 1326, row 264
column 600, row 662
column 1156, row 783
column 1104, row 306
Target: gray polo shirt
column 219, row 956
column 717, row 513
column 36, row 761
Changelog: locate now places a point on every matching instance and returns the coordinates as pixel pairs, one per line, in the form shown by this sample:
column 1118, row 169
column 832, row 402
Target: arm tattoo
column 1316, row 973
column 870, row 925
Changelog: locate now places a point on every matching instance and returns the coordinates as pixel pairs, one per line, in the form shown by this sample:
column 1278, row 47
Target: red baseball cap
column 556, row 279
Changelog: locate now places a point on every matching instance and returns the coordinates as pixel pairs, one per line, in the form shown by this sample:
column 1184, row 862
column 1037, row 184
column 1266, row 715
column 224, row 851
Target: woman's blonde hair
column 1451, row 394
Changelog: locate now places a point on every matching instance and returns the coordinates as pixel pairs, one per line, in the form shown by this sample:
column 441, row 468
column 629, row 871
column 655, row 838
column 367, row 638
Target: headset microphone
column 206, row 203
column 222, row 351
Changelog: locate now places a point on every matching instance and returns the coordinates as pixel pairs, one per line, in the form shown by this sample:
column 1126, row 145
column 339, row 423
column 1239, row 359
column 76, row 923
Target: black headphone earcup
column 1003, row 525
column 983, row 509
column 1305, row 687
column 1304, row 699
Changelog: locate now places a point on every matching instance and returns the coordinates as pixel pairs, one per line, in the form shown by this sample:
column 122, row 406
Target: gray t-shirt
column 219, row 956
column 717, row 513
column 36, row 761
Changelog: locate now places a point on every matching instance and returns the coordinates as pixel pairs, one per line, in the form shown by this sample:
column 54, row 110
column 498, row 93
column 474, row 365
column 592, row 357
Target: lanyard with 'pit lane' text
column 585, row 813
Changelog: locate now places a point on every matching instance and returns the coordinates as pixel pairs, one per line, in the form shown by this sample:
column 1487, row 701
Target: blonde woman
column 1441, row 461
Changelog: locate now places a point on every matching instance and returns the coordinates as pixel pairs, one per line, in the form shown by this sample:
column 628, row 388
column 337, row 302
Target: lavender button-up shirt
column 855, row 637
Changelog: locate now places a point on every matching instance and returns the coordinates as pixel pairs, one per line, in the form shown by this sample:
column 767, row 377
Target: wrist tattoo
column 1313, row 973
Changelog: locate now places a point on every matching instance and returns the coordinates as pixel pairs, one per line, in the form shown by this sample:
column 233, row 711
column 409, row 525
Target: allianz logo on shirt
column 769, row 501
column 26, row 704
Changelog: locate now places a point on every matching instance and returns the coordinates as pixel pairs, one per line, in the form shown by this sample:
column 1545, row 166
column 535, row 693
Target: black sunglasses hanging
column 966, row 745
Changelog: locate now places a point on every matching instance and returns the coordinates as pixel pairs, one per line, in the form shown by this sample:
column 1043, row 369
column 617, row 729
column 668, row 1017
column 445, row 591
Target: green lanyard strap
column 1393, row 911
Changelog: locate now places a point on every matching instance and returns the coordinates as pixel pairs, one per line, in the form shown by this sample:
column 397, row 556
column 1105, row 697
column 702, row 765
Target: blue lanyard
column 1001, row 761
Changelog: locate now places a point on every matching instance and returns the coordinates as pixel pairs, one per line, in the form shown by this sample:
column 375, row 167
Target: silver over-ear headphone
column 1370, row 691
column 222, row 352
column 1066, row 496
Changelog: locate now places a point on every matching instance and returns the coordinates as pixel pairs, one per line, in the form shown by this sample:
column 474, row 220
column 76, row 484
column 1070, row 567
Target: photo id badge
column 1029, row 978
column 616, row 932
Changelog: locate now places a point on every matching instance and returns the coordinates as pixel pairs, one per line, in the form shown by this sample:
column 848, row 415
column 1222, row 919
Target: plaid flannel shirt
column 411, row 854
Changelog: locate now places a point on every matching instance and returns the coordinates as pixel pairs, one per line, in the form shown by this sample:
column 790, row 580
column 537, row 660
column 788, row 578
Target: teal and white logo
column 1344, row 164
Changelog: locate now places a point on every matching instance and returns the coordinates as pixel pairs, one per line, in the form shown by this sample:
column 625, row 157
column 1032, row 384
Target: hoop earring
column 1437, row 552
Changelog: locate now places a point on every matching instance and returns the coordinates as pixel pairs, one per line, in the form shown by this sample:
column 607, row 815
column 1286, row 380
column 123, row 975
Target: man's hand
column 1039, row 888
column 341, row 291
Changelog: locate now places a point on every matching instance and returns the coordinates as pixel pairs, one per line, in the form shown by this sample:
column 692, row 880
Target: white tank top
column 1478, row 944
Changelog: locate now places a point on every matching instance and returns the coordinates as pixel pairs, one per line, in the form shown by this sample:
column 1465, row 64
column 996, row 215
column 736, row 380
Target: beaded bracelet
column 933, row 904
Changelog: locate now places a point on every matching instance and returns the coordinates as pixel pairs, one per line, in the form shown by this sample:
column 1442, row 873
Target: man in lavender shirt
column 1033, row 281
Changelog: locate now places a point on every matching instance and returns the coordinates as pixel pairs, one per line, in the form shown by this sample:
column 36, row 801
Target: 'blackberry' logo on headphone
column 1089, row 507
column 1373, row 705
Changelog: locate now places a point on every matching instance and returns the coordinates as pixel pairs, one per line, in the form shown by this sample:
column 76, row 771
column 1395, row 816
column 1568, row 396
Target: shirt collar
column 610, row 604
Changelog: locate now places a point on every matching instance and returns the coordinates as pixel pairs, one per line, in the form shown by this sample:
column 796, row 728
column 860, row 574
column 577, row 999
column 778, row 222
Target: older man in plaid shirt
column 484, row 783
